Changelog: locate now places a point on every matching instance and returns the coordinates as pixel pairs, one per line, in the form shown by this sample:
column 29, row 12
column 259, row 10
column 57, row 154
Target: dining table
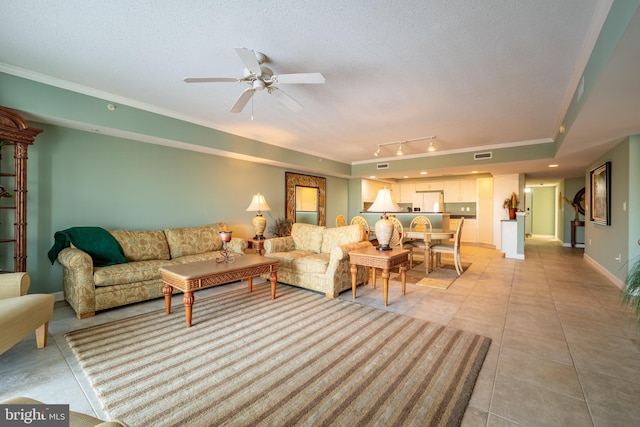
column 435, row 236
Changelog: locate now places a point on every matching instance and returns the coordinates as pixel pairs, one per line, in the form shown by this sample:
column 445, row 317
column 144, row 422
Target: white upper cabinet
column 457, row 191
column 429, row 186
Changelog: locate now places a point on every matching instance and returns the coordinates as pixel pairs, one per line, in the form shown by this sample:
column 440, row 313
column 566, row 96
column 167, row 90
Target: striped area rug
column 302, row 359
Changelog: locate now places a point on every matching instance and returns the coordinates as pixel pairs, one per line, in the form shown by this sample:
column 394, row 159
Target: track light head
column 399, row 152
column 432, row 147
column 377, row 153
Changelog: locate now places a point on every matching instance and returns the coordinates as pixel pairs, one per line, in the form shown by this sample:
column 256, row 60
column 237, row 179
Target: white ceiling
column 476, row 74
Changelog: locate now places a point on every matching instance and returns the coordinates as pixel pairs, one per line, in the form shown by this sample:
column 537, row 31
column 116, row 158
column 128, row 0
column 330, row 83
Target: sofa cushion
column 287, row 258
column 307, row 237
column 142, row 245
column 129, row 273
column 315, row 263
column 192, row 240
column 338, row 236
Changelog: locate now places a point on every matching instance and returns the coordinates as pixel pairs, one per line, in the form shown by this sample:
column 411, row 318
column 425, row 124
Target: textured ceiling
column 476, row 74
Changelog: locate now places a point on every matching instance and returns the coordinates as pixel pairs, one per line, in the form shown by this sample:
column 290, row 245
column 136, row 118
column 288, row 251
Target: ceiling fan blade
column 245, row 96
column 285, row 99
column 249, row 60
column 210, row 79
column 311, row 78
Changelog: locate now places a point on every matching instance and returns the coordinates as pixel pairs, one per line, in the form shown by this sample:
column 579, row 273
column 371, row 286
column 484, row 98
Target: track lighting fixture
column 401, row 144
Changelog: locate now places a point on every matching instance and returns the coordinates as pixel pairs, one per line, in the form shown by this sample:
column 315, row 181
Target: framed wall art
column 600, row 204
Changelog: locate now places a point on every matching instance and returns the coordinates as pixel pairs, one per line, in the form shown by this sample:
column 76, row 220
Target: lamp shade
column 384, row 228
column 258, row 203
column 384, row 202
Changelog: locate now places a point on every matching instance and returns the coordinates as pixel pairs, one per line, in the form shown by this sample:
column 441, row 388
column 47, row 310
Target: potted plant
column 631, row 295
column 281, row 227
column 511, row 204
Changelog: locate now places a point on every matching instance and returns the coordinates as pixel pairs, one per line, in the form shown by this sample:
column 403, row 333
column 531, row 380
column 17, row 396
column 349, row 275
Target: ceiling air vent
column 482, row 156
column 382, row 166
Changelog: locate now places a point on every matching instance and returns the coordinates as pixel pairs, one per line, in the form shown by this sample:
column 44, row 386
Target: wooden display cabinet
column 15, row 133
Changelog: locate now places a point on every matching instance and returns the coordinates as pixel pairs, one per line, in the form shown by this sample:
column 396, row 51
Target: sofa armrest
column 14, row 285
column 77, row 281
column 340, row 253
column 237, row 245
column 279, row 244
column 75, row 259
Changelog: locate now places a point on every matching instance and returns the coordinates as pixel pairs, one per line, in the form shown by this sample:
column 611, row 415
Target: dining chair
column 449, row 248
column 419, row 224
column 365, row 226
column 341, row 221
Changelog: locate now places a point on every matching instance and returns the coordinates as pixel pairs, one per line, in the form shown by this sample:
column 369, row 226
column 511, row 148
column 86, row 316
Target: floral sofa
column 88, row 288
column 317, row 258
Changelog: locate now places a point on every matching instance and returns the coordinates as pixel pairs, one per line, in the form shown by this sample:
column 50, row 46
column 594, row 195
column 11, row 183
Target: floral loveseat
column 88, row 288
column 317, row 258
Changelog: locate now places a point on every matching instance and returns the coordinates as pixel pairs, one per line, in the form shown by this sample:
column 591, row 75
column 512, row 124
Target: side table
column 386, row 260
column 574, row 225
column 257, row 244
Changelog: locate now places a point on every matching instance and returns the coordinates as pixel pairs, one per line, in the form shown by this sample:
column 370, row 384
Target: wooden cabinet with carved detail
column 15, row 137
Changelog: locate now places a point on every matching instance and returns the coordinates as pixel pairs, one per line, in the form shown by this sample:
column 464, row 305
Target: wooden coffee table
column 204, row 274
column 386, row 260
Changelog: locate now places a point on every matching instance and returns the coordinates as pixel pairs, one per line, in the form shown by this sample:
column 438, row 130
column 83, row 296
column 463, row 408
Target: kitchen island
column 438, row 219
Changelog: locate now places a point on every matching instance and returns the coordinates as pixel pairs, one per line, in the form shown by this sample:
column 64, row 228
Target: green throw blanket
column 103, row 248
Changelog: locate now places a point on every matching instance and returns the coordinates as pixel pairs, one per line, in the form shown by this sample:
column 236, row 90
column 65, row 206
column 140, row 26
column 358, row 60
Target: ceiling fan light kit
column 260, row 78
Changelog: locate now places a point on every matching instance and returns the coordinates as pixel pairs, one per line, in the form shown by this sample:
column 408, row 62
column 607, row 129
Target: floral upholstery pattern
column 317, row 258
column 142, row 245
column 307, row 237
column 193, row 240
column 89, row 289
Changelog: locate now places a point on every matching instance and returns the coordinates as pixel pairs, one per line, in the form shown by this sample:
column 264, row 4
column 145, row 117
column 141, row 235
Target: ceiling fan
column 259, row 77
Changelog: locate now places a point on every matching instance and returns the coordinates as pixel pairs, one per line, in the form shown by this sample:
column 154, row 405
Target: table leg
column 385, row 284
column 250, row 283
column 188, row 300
column 354, row 273
column 403, row 277
column 167, row 290
column 373, row 277
column 274, row 279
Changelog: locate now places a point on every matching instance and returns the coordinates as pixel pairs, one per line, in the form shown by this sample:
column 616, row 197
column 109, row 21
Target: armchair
column 21, row 314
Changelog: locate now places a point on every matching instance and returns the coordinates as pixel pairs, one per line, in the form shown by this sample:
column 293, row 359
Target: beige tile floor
column 564, row 351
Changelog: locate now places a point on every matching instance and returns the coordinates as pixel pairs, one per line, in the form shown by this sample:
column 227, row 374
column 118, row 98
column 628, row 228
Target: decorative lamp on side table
column 258, row 204
column 384, row 228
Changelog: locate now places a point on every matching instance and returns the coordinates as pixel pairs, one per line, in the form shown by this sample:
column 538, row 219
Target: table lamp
column 258, row 204
column 384, row 228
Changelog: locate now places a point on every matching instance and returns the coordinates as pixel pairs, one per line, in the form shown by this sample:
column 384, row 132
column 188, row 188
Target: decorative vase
column 512, row 213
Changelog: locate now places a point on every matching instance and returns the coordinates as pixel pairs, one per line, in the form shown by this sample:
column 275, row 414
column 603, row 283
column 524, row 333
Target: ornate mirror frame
column 293, row 180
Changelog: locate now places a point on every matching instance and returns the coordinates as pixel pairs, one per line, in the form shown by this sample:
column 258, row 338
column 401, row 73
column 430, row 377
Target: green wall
column 78, row 178
column 543, row 211
column 605, row 242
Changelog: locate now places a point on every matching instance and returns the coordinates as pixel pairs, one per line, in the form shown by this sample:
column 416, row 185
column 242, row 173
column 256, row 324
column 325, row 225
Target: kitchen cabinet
column 370, row 190
column 484, row 211
column 429, row 186
column 469, row 229
column 406, row 192
column 457, row 191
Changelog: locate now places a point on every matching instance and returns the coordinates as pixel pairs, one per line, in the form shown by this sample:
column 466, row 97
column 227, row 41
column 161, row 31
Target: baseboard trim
column 616, row 281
